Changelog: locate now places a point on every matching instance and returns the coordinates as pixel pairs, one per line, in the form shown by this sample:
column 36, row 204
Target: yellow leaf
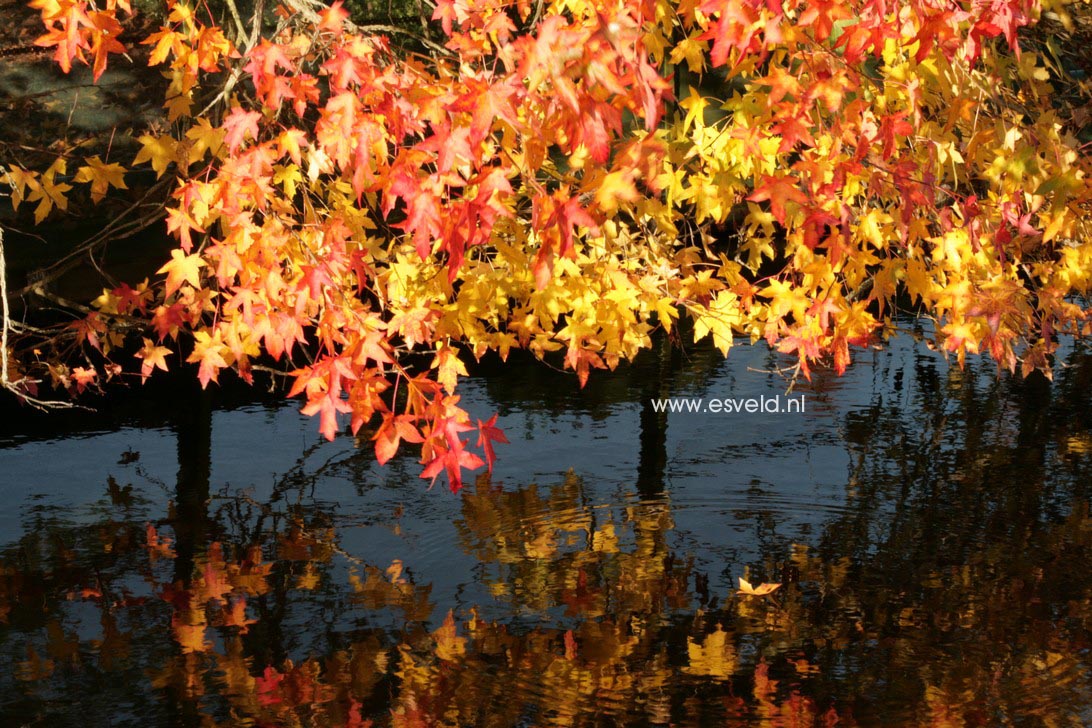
column 159, row 151
column 20, row 180
column 205, row 138
column 178, row 105
column 181, row 269
column 165, row 41
column 758, row 247
column 288, row 176
column 615, row 189
column 153, row 357
column 693, row 51
column 875, row 227
column 718, row 319
column 448, row 368
column 1057, row 223
column 101, row 176
column 50, row 194
column 785, row 297
column 695, row 110
column 289, row 143
column 667, row 312
column 746, row 589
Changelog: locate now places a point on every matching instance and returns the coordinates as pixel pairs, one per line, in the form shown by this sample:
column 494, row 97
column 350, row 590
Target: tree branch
column 16, row 386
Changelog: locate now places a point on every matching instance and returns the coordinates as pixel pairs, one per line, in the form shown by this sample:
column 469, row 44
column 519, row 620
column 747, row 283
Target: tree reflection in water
column 953, row 590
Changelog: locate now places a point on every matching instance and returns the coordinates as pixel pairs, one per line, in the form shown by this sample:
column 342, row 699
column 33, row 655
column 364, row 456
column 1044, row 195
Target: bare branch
column 7, row 317
column 18, row 387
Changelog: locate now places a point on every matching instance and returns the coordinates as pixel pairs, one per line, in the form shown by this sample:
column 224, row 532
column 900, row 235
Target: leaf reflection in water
column 944, row 582
column 599, row 623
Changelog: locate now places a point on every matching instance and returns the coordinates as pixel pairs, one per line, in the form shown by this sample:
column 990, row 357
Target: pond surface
column 928, row 530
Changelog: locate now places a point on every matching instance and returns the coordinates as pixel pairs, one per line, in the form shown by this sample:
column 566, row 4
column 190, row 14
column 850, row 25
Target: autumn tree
column 570, row 177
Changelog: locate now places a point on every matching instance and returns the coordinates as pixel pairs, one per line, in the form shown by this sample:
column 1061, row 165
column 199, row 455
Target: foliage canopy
column 569, row 177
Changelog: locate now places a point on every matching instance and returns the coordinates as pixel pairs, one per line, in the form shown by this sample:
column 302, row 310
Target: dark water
column 929, row 530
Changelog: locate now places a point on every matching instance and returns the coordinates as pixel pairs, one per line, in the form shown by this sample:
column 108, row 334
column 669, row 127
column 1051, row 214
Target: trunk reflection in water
column 943, row 581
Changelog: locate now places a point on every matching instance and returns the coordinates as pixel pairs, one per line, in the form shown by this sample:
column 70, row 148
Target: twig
column 4, row 295
column 115, row 230
column 238, row 20
column 308, row 9
column 5, row 326
column 256, row 23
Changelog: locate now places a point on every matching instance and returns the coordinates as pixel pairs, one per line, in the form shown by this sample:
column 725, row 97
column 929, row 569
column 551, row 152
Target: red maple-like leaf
column 779, row 190
column 488, row 433
column 237, row 125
